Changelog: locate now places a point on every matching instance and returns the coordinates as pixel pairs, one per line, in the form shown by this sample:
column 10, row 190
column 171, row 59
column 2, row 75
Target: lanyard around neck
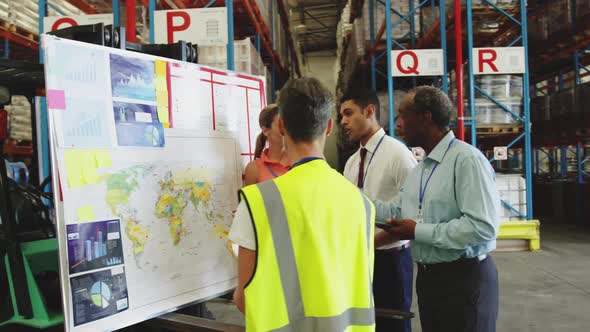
column 423, row 190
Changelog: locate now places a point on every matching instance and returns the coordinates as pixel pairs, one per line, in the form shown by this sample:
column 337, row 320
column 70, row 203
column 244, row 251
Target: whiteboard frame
column 129, row 316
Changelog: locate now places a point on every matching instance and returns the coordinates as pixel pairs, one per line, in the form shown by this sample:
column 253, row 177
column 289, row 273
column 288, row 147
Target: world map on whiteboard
column 183, row 197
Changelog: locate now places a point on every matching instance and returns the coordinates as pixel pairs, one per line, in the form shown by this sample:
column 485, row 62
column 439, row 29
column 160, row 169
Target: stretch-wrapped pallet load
column 246, row 57
column 501, row 86
column 512, row 190
column 489, row 113
column 506, row 90
column 398, row 31
column 19, row 119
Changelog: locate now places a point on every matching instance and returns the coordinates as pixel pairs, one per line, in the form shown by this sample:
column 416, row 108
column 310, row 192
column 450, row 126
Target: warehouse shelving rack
column 506, row 17
column 388, row 25
column 564, row 143
column 447, row 33
column 244, row 20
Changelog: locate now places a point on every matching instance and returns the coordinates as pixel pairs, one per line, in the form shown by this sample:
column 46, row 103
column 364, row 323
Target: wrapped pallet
column 512, row 190
column 400, row 28
column 20, row 125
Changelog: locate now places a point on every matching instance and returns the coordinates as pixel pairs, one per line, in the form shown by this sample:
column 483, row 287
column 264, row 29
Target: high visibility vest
column 314, row 234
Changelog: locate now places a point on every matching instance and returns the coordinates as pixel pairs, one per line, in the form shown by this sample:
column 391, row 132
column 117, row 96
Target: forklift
column 30, row 297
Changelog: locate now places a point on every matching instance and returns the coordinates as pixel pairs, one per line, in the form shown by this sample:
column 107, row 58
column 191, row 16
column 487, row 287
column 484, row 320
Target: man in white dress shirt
column 379, row 168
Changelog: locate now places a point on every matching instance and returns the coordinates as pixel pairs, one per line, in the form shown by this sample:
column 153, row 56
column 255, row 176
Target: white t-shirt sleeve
column 242, row 229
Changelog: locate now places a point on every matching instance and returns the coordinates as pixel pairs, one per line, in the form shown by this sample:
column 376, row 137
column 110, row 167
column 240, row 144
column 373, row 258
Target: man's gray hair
column 433, row 100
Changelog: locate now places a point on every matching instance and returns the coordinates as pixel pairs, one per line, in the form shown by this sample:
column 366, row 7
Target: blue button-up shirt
column 460, row 208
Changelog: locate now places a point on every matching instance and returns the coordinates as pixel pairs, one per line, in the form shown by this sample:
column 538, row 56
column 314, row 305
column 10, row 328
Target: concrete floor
column 544, row 291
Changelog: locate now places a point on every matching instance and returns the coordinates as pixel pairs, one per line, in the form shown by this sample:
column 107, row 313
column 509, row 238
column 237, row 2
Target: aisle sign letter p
column 186, row 22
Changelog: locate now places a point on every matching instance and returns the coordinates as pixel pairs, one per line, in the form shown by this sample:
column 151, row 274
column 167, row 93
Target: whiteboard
column 148, row 153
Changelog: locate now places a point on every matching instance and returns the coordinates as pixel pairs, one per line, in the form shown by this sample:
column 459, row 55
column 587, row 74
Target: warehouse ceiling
column 315, row 23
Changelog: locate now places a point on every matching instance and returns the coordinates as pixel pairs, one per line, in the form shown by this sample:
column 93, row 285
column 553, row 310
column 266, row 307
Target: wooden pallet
column 499, row 129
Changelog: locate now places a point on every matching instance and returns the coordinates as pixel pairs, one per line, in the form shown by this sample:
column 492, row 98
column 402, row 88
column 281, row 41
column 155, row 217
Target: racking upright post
column 443, row 44
column 272, row 45
column 459, row 70
column 412, row 23
column 43, row 120
column 527, row 112
column 42, row 13
column 525, row 120
column 229, row 4
column 470, row 71
column 388, row 72
column 151, row 10
column 372, row 43
column 117, row 13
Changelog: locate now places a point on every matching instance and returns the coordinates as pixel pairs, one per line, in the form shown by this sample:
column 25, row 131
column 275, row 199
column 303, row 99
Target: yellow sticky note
column 86, row 213
column 161, row 83
column 74, row 168
column 103, row 158
column 164, row 116
column 161, row 68
column 89, row 164
column 162, row 98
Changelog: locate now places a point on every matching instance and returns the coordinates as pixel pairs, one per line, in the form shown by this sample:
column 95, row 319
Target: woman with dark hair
column 271, row 162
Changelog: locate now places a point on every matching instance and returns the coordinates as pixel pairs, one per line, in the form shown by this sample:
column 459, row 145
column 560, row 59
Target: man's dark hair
column 433, row 100
column 305, row 106
column 363, row 97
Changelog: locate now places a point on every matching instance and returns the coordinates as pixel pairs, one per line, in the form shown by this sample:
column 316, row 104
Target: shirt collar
column 439, row 150
column 374, row 140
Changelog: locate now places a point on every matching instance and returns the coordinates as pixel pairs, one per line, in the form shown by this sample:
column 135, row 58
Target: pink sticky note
column 56, row 99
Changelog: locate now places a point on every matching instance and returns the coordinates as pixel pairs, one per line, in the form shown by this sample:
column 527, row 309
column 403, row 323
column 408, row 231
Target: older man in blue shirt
column 449, row 208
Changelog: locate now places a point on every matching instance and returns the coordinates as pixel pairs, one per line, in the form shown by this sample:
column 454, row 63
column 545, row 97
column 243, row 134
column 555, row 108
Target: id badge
column 419, row 220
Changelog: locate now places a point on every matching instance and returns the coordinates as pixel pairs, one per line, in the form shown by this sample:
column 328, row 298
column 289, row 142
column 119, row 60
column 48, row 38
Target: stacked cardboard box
column 246, row 58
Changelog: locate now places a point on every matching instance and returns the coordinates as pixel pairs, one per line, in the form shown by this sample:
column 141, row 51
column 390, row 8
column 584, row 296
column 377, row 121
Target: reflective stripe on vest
column 281, row 236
